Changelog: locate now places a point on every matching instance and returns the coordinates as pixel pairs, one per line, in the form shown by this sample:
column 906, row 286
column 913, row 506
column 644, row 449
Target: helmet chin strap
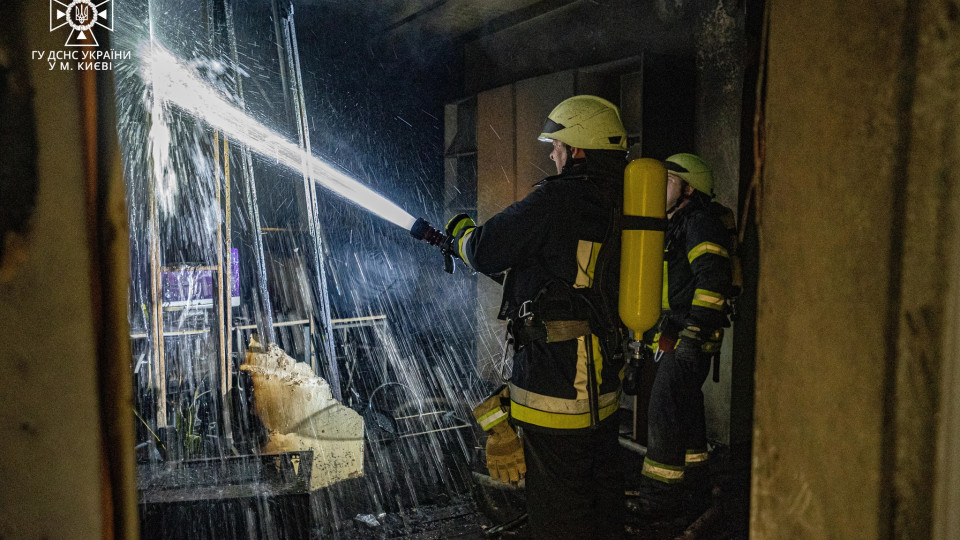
column 675, row 206
column 692, row 197
column 573, row 162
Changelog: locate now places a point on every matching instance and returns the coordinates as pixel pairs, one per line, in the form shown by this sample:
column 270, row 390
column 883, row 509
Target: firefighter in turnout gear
column 696, row 284
column 557, row 251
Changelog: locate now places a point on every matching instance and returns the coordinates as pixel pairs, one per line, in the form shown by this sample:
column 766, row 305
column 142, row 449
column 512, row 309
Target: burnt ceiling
column 386, row 24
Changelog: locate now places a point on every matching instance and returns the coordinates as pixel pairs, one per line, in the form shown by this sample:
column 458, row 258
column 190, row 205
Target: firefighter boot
column 698, row 490
column 657, row 501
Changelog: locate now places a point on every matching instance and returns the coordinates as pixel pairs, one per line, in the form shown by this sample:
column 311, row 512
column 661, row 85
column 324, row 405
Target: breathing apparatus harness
column 561, row 312
column 728, row 219
column 668, row 332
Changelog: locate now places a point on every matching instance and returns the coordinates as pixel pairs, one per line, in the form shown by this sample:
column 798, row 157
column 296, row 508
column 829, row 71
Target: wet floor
column 727, row 519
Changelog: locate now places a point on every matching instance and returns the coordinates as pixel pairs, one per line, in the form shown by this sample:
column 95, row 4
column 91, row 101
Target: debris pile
column 300, row 413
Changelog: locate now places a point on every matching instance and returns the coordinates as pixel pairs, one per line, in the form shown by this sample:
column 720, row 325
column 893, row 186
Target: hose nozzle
column 422, row 230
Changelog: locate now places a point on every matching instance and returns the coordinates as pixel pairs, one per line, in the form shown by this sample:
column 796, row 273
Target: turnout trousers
column 574, row 483
column 676, row 427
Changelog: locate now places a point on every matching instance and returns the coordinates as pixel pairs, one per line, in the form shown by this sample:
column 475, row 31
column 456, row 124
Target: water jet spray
column 174, row 83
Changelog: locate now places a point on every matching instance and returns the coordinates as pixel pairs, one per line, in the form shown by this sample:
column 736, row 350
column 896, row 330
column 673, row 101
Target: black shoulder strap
column 643, row 223
column 559, row 176
column 606, row 256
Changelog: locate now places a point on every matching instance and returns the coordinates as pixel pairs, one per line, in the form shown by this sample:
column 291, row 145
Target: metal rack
column 236, row 173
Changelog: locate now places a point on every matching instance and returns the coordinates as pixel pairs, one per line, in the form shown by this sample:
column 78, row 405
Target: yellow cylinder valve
column 641, row 257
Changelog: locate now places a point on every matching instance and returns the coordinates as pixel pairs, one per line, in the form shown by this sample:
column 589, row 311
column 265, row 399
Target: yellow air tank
column 641, row 258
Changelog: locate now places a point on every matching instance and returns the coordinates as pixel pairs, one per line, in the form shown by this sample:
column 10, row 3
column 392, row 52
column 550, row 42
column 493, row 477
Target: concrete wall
column 496, row 189
column 720, row 44
column 579, row 34
column 858, row 267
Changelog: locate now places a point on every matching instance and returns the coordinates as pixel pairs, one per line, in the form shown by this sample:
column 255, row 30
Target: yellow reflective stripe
column 580, row 379
column 655, row 344
column 461, row 242
column 708, row 299
column 552, row 404
column 696, row 457
column 665, row 473
column 462, row 224
column 492, row 418
column 587, row 253
column 665, row 300
column 597, row 359
column 556, row 420
column 707, row 247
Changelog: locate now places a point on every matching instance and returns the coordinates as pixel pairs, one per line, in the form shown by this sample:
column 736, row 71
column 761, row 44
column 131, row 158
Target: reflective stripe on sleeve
column 461, row 243
column 708, row 299
column 492, row 418
column 461, row 225
column 707, row 247
column 670, row 474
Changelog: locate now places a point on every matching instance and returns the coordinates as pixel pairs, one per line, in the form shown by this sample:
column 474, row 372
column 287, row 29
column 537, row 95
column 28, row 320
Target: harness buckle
column 525, row 313
column 508, row 342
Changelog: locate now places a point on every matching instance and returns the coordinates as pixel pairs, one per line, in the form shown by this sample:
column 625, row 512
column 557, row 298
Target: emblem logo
column 82, row 16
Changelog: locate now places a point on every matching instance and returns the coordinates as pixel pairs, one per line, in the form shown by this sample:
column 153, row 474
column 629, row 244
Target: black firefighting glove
column 688, row 352
column 696, row 345
column 504, row 449
column 697, row 339
column 457, row 228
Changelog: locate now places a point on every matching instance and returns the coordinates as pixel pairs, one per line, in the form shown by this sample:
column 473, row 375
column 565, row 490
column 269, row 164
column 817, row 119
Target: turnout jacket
column 549, row 242
column 697, row 270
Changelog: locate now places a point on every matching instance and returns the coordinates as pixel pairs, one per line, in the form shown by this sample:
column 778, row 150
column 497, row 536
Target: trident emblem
column 81, row 16
column 83, row 13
